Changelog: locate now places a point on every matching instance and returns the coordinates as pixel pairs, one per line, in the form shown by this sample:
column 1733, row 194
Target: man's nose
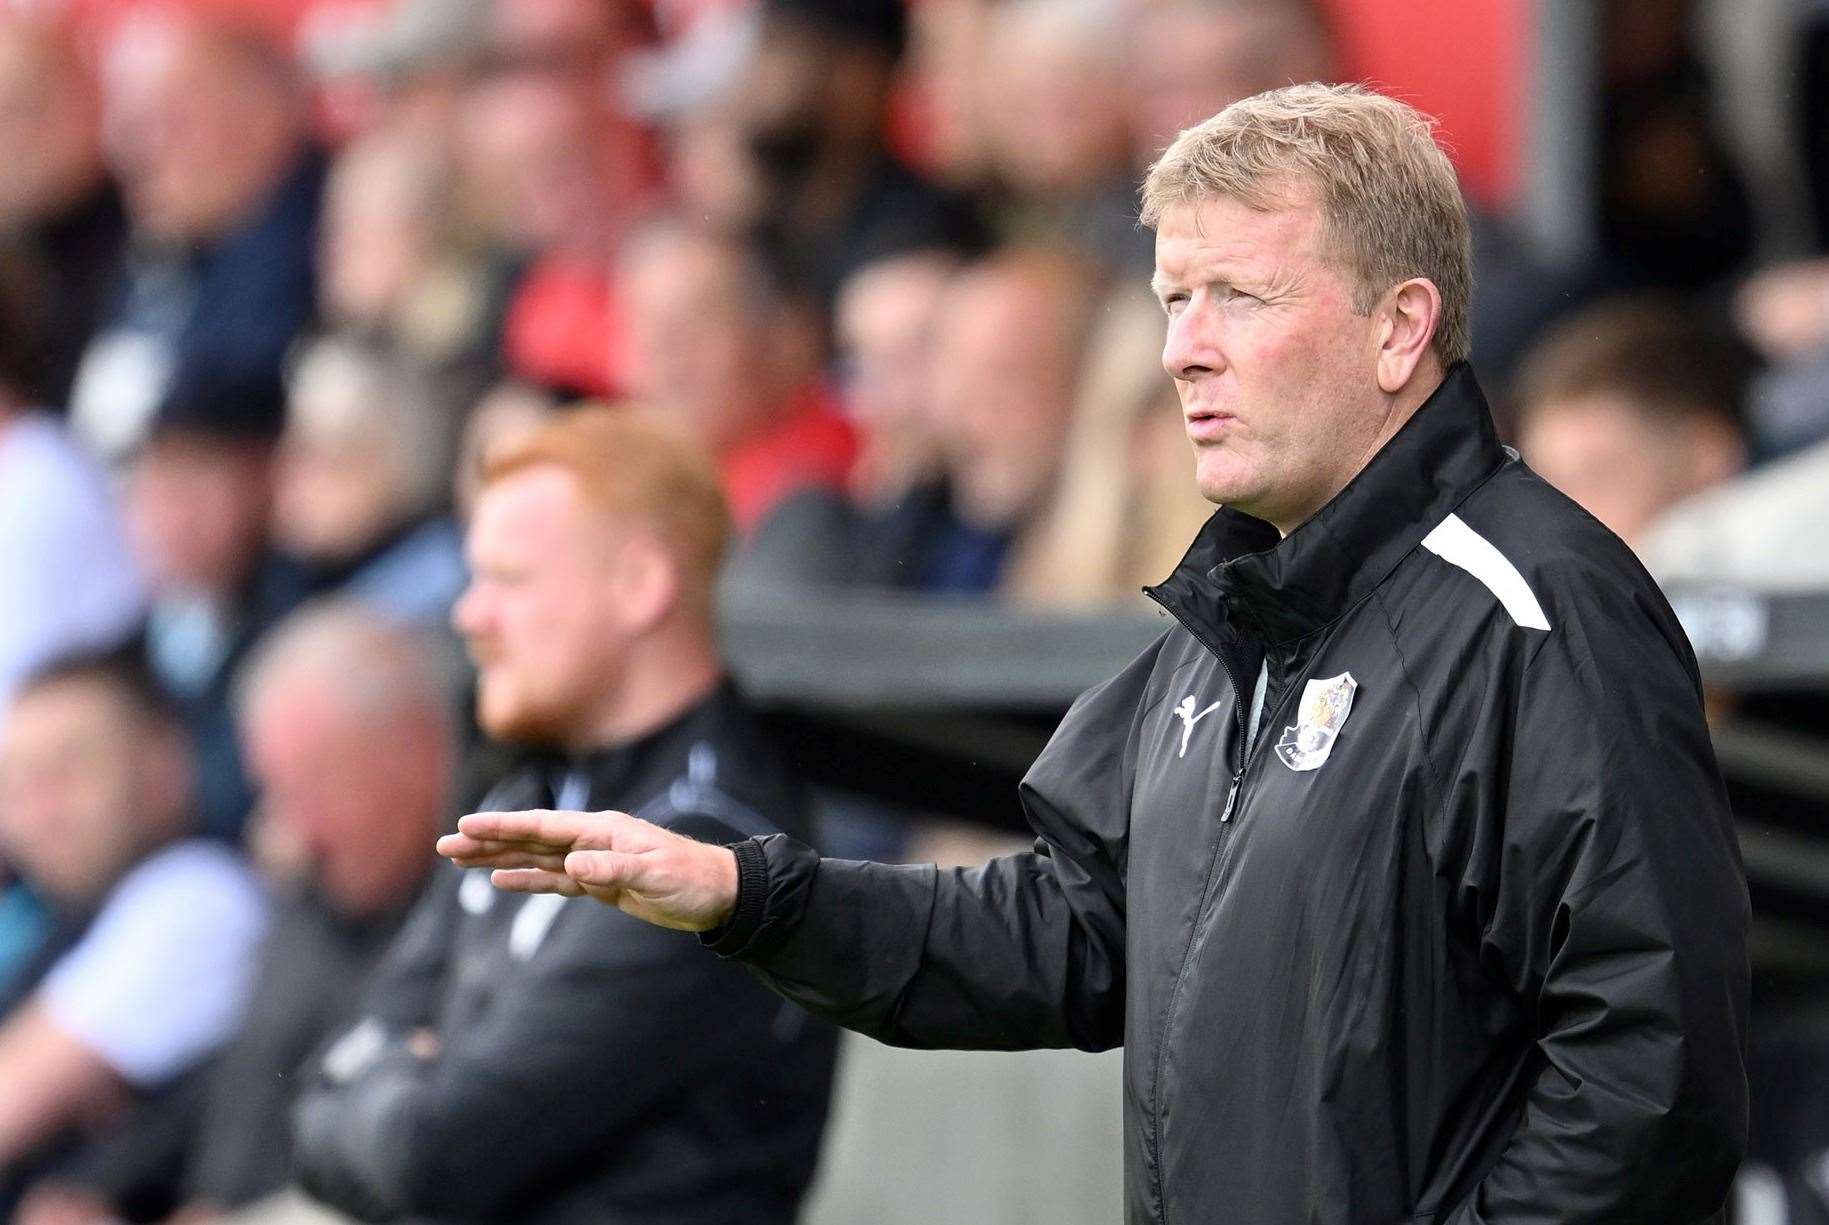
column 466, row 612
column 1189, row 351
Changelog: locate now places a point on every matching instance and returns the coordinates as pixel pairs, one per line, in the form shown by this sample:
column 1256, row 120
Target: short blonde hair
column 635, row 465
column 1390, row 203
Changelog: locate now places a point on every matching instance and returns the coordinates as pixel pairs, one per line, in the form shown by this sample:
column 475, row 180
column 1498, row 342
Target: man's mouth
column 1208, row 425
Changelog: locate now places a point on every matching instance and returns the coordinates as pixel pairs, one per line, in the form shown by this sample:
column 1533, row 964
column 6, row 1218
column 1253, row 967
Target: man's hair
column 380, row 671
column 634, row 465
column 1391, row 207
column 1649, row 350
column 121, row 672
column 365, row 390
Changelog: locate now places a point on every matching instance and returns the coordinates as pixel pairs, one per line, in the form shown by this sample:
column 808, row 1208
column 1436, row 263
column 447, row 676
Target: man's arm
column 590, row 1037
column 1026, row 951
column 49, row 1080
column 1605, row 882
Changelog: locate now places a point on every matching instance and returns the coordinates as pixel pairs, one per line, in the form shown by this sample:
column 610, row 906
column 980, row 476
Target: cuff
column 731, row 939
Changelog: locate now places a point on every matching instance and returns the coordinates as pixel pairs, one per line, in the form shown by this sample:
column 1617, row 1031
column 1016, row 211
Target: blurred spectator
column 811, row 106
column 1060, row 137
column 395, row 270
column 1784, row 312
column 717, row 341
column 888, row 313
column 509, row 411
column 95, row 810
column 584, row 37
column 349, row 736
column 968, row 379
column 57, row 206
column 492, row 1075
column 1675, row 213
column 1008, row 355
column 67, row 582
column 560, row 177
column 199, row 504
column 1192, row 58
column 364, row 464
column 1126, row 504
column 205, row 128
column 1630, row 407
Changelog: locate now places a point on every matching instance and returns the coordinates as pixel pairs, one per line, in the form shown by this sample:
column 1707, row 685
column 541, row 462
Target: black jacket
column 1477, row 956
column 593, row 1068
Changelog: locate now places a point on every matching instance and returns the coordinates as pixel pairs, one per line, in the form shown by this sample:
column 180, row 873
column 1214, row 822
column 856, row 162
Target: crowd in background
column 270, row 288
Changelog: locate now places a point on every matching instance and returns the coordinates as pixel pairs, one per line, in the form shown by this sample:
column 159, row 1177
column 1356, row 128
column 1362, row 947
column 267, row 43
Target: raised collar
column 1280, row 591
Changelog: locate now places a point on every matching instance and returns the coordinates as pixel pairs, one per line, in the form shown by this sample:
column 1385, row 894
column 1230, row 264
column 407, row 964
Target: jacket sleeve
column 579, row 1045
column 1025, row 951
column 1600, row 870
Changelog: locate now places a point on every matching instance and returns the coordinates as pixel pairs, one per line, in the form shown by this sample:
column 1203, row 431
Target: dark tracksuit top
column 1473, row 953
column 593, row 1068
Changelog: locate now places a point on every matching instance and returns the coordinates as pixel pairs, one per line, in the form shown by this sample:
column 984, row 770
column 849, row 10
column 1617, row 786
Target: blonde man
column 520, row 1059
column 1400, row 866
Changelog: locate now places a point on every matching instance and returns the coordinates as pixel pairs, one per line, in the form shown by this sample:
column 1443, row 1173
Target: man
column 363, row 469
column 717, row 340
column 490, row 1076
column 95, row 811
column 1631, row 407
column 1401, row 866
column 206, row 128
column 199, row 505
column 348, row 731
column 811, row 103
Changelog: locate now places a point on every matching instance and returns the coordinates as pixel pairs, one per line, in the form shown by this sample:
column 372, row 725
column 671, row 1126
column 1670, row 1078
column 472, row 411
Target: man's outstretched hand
column 651, row 873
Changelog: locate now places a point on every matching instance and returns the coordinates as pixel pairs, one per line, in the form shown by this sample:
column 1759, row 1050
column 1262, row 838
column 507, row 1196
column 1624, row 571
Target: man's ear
column 647, row 582
column 1408, row 317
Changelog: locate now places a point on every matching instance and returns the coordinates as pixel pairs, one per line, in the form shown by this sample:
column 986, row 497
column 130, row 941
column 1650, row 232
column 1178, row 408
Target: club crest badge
column 1325, row 705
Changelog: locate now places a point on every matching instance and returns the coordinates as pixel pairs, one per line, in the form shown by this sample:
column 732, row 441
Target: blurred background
column 275, row 273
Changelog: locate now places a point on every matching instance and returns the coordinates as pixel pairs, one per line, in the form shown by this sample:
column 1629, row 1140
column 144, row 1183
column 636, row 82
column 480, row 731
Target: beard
column 511, row 716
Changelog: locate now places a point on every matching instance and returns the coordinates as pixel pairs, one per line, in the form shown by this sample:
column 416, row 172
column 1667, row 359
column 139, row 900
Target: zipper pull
column 1231, row 795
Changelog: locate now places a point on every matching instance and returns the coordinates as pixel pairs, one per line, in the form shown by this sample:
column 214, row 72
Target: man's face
column 177, row 119
column 696, row 344
column 1276, row 374
column 1624, row 465
column 1191, row 59
column 1003, row 391
column 336, row 787
column 886, row 322
column 197, row 511
column 541, row 615
column 73, row 787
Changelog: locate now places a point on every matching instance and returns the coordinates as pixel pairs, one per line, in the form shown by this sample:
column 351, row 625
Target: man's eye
column 1173, row 302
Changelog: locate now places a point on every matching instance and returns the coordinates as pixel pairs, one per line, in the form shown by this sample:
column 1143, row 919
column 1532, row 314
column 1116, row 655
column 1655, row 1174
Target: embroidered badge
column 1325, row 705
column 1184, row 710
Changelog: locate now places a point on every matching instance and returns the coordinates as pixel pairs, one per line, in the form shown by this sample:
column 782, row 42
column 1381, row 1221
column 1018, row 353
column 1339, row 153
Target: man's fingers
column 534, row 880
column 544, row 829
column 601, row 869
column 474, row 854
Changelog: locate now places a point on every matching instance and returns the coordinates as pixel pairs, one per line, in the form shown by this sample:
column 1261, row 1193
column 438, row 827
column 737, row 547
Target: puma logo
column 1184, row 710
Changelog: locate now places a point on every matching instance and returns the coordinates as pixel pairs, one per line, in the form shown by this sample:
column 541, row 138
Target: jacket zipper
column 1241, row 713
